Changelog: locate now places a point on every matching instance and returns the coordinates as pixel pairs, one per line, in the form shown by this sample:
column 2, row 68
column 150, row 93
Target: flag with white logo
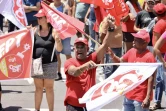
column 16, row 50
column 123, row 80
column 64, row 24
column 13, row 10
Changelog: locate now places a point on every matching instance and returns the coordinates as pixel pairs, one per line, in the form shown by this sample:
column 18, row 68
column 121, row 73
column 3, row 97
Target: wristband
column 111, row 29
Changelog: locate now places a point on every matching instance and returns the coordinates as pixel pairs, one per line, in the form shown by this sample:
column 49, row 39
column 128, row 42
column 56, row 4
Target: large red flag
column 64, row 24
column 102, row 3
column 117, row 8
column 16, row 55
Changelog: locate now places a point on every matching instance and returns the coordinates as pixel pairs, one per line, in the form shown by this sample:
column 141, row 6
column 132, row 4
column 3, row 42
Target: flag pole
column 53, row 52
column 129, row 64
column 92, row 39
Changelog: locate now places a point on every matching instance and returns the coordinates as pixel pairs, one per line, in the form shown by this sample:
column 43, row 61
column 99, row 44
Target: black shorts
column 74, row 108
column 128, row 37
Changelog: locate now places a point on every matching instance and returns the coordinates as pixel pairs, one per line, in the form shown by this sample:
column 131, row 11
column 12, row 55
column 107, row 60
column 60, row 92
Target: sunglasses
column 150, row 3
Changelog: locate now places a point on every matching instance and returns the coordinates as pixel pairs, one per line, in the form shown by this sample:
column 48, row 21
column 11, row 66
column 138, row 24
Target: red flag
column 65, row 25
column 121, row 8
column 102, row 3
column 19, row 11
column 100, row 13
column 16, row 55
column 118, row 8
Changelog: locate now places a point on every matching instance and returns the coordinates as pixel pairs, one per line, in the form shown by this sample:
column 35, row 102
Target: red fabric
column 14, row 64
column 120, row 9
column 128, row 26
column 143, row 34
column 160, row 28
column 49, row 1
column 64, row 24
column 78, row 86
column 100, row 13
column 139, row 93
column 101, row 3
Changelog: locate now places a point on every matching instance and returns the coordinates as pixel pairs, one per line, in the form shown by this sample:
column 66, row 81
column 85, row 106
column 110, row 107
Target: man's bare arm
column 32, row 8
column 77, row 71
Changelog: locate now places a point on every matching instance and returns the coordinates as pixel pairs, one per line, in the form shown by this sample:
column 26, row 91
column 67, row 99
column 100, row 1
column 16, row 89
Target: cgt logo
column 107, row 2
column 18, row 11
column 122, row 5
column 59, row 23
column 118, row 84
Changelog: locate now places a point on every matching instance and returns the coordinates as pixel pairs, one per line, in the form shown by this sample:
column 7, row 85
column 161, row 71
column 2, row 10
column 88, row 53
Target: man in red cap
column 158, row 30
column 81, row 70
column 139, row 98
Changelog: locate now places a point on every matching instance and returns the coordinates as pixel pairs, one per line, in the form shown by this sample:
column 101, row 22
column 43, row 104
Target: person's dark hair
column 48, row 24
column 127, row 0
column 160, row 15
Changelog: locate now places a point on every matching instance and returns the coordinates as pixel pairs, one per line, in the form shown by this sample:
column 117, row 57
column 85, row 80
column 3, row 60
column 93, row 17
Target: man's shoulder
column 132, row 50
column 142, row 12
column 150, row 56
column 160, row 22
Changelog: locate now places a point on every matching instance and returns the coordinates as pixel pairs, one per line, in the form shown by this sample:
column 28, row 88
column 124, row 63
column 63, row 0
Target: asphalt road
column 18, row 95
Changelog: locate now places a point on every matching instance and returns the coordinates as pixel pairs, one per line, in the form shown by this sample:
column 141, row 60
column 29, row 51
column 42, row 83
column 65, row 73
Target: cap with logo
column 142, row 34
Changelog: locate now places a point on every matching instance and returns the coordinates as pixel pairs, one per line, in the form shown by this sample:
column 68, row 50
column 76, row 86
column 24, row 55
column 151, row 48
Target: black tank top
column 44, row 46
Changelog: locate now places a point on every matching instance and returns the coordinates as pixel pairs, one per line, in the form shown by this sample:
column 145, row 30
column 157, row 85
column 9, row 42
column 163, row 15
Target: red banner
column 16, row 55
column 117, row 8
column 19, row 12
column 65, row 25
column 102, row 3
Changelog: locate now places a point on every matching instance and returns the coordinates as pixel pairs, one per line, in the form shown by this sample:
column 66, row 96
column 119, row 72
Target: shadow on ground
column 11, row 91
column 12, row 108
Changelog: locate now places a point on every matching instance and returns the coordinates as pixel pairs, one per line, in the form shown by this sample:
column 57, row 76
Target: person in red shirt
column 128, row 24
column 158, row 30
column 139, row 98
column 81, row 71
column 160, row 27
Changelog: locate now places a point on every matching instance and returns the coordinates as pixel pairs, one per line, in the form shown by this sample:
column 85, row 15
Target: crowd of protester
column 141, row 37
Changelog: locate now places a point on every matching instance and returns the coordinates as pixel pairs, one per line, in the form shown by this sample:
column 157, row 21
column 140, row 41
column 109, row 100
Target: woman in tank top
column 45, row 39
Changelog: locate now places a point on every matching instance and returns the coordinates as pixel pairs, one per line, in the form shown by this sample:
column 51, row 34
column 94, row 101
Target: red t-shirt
column 78, row 86
column 160, row 28
column 139, row 93
column 128, row 26
column 100, row 13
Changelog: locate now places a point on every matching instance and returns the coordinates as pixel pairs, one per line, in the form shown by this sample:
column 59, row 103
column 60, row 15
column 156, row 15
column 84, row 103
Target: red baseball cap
column 160, row 8
column 143, row 34
column 40, row 13
column 81, row 40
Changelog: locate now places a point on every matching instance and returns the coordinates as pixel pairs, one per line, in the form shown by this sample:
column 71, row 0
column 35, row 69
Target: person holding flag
column 45, row 40
column 58, row 5
column 139, row 98
column 128, row 23
column 158, row 30
column 81, row 71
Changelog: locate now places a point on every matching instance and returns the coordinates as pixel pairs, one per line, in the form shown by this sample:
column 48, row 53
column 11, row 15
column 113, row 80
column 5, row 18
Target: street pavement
column 18, row 95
